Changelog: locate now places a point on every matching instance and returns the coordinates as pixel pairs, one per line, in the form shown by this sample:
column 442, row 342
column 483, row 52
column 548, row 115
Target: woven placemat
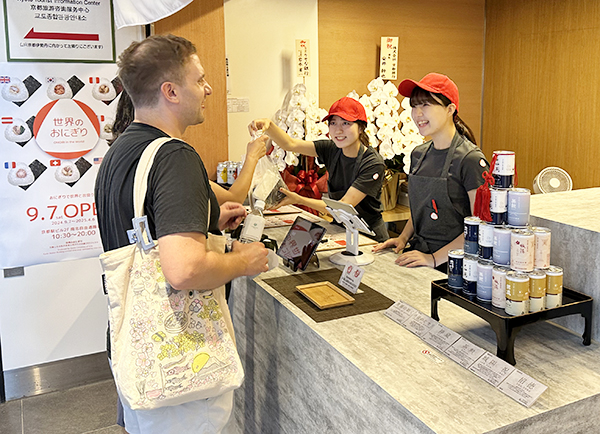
column 369, row 301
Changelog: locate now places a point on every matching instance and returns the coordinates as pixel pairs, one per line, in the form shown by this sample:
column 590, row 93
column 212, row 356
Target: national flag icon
column 97, row 160
column 4, row 79
column 54, row 163
column 7, row 120
column 94, row 78
column 10, row 165
column 101, row 118
column 50, row 79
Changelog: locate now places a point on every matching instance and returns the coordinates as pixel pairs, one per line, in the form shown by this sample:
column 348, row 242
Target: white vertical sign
column 388, row 60
column 302, row 58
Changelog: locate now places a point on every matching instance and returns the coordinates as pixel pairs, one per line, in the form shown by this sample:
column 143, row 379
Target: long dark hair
column 362, row 136
column 124, row 116
column 420, row 96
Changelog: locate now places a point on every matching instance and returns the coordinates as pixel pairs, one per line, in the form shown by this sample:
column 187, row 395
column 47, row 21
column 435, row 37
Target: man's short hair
column 144, row 66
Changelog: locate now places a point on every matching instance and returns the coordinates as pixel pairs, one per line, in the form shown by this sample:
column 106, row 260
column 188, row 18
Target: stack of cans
column 506, row 262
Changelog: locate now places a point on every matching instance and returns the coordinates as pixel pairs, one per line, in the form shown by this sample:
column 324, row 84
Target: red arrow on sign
column 68, row 36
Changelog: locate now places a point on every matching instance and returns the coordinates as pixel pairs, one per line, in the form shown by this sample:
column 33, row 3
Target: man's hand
column 232, row 214
column 254, row 257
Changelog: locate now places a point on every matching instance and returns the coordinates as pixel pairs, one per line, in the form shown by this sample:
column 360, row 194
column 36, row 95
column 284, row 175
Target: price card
column 420, row 324
column 351, row 277
column 491, row 369
column 400, row 312
column 522, row 388
column 440, row 337
column 464, row 352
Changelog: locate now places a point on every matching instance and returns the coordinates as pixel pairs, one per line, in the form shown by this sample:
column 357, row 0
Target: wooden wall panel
column 542, row 86
column 444, row 36
column 203, row 23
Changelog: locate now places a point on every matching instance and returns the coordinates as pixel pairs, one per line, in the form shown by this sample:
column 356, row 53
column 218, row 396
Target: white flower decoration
column 312, row 114
column 323, row 128
column 406, row 103
column 373, row 141
column 405, row 117
column 385, row 133
column 396, row 117
column 322, row 113
column 410, row 129
column 291, row 159
column 371, row 129
column 353, row 95
column 295, row 117
column 366, row 102
column 397, row 147
column 390, row 89
column 370, row 115
column 406, row 161
column 382, row 110
column 385, row 149
column 299, row 102
column 385, row 121
column 296, row 131
column 378, row 98
column 393, row 103
column 375, row 85
column 299, row 89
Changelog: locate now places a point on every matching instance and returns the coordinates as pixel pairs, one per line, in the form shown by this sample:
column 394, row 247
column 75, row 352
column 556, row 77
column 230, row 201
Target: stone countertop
column 442, row 394
column 577, row 208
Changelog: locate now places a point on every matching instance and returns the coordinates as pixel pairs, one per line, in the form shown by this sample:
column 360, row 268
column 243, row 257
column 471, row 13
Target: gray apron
column 435, row 220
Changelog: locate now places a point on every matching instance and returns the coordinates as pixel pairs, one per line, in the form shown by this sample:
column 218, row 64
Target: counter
column 367, row 374
column 574, row 220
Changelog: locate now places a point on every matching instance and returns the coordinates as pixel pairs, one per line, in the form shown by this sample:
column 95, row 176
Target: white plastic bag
column 266, row 183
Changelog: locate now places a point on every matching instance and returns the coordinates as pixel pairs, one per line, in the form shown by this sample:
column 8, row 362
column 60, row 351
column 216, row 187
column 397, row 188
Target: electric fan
column 551, row 180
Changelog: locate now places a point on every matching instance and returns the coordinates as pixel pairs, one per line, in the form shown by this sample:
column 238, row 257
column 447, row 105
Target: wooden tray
column 325, row 295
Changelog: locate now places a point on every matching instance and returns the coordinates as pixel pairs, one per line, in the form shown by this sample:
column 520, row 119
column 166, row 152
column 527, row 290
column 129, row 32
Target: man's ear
column 169, row 91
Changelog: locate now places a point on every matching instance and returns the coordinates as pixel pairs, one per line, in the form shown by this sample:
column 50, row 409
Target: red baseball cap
column 348, row 109
column 432, row 82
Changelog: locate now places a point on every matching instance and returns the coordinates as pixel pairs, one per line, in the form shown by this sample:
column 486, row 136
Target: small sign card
column 388, row 61
column 464, row 352
column 351, row 277
column 440, row 337
column 522, row 388
column 420, row 324
column 491, row 369
column 400, row 312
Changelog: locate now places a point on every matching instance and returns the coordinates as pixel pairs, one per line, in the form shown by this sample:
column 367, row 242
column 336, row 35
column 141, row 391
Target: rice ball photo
column 106, row 128
column 15, row 91
column 104, row 91
column 18, row 131
column 67, row 173
column 59, row 89
column 21, row 175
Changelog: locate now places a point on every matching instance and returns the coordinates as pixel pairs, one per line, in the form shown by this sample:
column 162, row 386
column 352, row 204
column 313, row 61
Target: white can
column 499, row 286
column 505, row 163
column 542, row 247
column 522, row 250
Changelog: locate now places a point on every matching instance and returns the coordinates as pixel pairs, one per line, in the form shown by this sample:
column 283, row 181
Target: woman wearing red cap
column 444, row 175
column 355, row 169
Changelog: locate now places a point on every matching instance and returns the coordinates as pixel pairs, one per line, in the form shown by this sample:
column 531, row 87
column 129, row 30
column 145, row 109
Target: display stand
column 346, row 214
column 507, row 326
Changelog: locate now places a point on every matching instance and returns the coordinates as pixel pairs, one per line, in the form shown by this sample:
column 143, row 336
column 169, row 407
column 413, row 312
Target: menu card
column 522, row 388
column 491, row 369
column 464, row 352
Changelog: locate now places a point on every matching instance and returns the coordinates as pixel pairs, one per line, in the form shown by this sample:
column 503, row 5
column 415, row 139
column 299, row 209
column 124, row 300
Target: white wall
column 58, row 310
column 260, row 40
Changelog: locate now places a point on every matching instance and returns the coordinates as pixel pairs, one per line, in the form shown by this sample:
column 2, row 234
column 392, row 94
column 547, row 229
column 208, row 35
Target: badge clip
column 141, row 234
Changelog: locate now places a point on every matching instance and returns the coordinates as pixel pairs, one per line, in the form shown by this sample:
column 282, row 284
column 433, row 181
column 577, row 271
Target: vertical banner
column 388, row 61
column 59, row 31
column 302, row 58
column 55, row 122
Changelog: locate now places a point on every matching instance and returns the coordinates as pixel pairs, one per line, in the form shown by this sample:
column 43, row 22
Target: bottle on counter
column 254, row 224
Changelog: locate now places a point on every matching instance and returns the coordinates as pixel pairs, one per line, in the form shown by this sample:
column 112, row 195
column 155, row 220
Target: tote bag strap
column 140, row 183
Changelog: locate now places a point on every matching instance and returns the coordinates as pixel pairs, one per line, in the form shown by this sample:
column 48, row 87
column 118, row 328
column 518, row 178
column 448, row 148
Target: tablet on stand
column 347, row 215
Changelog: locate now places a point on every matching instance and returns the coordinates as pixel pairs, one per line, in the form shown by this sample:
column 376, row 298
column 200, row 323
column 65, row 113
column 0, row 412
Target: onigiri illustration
column 106, row 128
column 18, row 131
column 104, row 90
column 15, row 91
column 21, row 175
column 67, row 173
column 59, row 89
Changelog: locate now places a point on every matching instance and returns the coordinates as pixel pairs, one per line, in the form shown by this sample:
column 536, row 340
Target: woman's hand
column 396, row 243
column 292, row 198
column 414, row 258
column 259, row 124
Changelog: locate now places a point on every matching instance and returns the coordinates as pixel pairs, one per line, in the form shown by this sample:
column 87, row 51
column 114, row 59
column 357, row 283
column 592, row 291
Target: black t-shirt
column 368, row 180
column 468, row 163
column 177, row 195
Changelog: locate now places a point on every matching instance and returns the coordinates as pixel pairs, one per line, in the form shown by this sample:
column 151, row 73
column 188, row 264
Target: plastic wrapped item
column 266, row 184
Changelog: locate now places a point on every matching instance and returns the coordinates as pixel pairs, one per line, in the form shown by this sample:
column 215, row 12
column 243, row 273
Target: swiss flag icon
column 54, row 163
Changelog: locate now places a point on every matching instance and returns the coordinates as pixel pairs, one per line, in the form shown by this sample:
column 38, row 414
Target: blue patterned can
column 484, row 281
column 455, row 268
column 504, row 169
column 471, row 234
column 470, row 275
column 499, row 206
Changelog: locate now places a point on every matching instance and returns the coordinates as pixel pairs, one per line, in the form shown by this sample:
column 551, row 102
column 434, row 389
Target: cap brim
column 345, row 117
column 407, row 86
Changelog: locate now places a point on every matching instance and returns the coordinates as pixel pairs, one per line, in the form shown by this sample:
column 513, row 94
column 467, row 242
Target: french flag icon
column 10, row 165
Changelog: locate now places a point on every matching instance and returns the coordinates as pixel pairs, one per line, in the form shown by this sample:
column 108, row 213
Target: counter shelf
column 507, row 326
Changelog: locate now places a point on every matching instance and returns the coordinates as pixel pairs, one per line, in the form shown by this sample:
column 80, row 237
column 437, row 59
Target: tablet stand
column 353, row 223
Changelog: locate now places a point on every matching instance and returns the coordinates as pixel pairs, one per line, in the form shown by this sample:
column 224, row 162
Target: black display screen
column 300, row 243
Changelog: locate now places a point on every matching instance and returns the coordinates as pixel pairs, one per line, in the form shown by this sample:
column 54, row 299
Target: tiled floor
column 85, row 409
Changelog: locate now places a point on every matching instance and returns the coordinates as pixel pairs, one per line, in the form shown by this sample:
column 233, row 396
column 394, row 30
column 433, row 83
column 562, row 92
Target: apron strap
column 337, row 157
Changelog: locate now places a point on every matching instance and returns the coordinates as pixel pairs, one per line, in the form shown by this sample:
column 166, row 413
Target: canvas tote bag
column 168, row 347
